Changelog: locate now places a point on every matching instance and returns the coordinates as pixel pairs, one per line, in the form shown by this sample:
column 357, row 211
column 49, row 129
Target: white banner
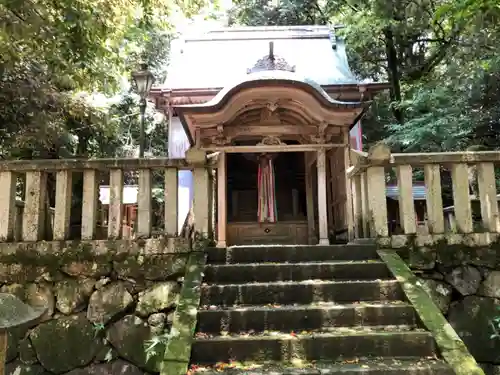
column 356, row 139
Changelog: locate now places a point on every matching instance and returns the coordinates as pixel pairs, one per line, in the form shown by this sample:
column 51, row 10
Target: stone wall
column 464, row 281
column 105, row 300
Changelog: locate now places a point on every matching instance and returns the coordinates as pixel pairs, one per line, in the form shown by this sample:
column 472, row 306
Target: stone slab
column 303, row 318
column 292, row 254
column 262, row 272
column 301, row 292
column 312, row 346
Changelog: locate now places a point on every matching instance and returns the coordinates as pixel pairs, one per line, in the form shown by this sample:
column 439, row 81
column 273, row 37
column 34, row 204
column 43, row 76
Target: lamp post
column 144, row 80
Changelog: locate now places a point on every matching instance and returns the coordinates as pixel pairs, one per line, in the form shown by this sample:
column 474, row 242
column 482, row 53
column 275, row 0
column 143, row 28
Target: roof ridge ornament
column 271, row 62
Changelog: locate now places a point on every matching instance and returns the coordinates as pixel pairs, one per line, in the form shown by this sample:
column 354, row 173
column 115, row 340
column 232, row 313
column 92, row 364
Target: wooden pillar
column 356, row 186
column 221, row 200
column 349, row 216
column 322, row 201
column 365, row 206
column 309, row 198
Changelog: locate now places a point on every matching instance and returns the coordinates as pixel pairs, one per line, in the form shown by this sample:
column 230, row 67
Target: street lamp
column 143, row 79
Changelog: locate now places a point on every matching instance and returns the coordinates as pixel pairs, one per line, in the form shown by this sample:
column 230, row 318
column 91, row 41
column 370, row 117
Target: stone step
column 328, row 270
column 289, row 318
column 313, row 346
column 395, row 366
column 290, row 254
column 301, row 292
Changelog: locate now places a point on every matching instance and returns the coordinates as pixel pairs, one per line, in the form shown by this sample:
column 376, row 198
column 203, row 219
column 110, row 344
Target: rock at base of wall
column 471, row 318
column 490, row 369
column 129, row 336
column 118, row 367
column 19, row 368
column 65, row 343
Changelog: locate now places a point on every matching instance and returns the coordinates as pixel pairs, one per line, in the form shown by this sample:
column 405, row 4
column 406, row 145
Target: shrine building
column 280, row 109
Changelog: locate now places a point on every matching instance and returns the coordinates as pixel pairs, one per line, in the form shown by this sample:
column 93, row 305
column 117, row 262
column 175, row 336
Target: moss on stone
column 76, row 347
column 452, row 347
column 25, row 262
column 178, row 351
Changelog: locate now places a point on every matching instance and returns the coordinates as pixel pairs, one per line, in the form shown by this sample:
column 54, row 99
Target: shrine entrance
column 282, row 145
column 268, row 190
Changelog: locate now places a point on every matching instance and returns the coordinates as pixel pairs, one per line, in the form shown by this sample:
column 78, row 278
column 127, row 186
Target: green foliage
column 158, row 345
column 438, row 56
column 64, row 62
column 495, row 327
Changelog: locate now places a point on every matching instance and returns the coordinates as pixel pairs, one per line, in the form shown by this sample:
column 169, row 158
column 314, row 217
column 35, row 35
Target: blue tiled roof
column 217, row 58
column 392, row 191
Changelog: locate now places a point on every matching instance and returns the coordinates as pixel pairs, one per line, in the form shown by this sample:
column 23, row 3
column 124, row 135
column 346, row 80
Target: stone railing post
column 407, row 216
column 201, row 202
column 8, row 209
column 144, row 205
column 34, row 208
column 488, row 197
column 115, row 204
column 90, row 204
column 171, row 201
column 378, row 157
column 62, row 218
column 461, row 197
column 434, row 199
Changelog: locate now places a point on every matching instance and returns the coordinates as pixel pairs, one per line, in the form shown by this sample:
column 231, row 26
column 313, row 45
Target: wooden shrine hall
column 275, row 105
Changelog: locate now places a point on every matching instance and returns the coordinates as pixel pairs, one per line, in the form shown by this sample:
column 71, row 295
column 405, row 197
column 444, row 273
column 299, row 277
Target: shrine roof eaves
column 268, row 78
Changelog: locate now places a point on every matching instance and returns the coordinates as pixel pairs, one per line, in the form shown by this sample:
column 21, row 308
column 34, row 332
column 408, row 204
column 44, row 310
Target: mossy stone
column 19, row 368
column 27, row 353
column 107, row 302
column 471, row 318
column 65, row 343
column 129, row 337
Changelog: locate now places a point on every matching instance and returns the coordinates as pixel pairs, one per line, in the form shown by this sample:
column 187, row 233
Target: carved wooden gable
column 275, row 104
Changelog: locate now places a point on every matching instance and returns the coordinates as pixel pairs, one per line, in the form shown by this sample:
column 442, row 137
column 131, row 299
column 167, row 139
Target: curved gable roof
column 265, row 78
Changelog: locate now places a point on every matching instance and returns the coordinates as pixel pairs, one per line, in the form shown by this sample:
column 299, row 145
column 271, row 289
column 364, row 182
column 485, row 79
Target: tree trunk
column 393, row 72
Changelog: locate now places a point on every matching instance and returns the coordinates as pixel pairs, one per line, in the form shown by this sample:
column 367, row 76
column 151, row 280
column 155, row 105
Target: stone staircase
column 307, row 310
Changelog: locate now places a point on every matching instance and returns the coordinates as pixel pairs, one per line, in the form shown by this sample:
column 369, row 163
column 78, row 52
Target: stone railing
column 471, row 176
column 28, row 221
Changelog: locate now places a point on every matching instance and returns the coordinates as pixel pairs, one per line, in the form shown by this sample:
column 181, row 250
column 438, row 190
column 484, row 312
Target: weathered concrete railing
column 466, row 171
column 34, row 213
